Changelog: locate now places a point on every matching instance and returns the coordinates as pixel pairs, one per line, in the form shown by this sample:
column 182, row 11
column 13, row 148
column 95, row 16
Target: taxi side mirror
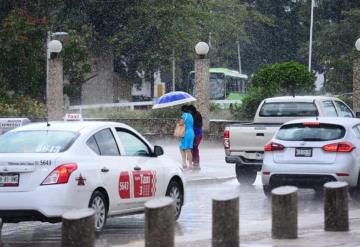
column 158, row 150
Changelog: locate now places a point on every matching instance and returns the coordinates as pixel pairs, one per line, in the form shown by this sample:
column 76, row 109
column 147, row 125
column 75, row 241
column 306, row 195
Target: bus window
column 223, row 84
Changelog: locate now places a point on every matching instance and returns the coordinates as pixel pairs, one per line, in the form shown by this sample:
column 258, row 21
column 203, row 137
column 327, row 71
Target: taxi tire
column 97, row 195
column 176, row 187
column 245, row 175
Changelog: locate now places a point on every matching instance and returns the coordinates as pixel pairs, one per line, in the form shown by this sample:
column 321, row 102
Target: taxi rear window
column 311, row 132
column 288, row 109
column 37, row 141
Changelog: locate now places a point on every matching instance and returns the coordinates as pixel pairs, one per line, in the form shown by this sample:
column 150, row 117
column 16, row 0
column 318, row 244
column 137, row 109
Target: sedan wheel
column 267, row 190
column 98, row 203
column 175, row 192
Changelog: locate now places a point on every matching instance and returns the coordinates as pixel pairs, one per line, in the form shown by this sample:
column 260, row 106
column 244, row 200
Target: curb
column 208, row 179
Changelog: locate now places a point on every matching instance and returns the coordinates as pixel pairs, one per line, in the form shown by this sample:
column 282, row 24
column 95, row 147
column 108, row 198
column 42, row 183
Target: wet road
column 195, row 220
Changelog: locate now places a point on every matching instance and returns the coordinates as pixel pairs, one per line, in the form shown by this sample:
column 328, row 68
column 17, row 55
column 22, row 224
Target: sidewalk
column 212, row 162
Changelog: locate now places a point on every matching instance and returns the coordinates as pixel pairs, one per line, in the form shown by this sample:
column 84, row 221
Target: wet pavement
column 194, row 225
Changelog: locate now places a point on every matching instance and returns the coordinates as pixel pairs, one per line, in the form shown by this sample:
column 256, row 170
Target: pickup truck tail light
column 273, row 146
column 339, row 147
column 60, row 175
column 226, row 139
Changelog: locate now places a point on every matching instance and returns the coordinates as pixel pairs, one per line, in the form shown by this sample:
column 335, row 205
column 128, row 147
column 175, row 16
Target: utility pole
column 239, row 56
column 173, row 69
column 311, row 33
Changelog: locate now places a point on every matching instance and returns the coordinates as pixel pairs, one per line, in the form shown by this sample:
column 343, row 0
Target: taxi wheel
column 174, row 191
column 99, row 204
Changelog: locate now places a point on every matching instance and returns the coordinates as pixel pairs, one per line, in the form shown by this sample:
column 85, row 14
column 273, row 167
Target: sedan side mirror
column 357, row 114
column 158, row 150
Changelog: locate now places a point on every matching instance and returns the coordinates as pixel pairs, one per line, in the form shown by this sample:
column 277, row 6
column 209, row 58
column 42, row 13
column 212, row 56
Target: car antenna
column 47, row 122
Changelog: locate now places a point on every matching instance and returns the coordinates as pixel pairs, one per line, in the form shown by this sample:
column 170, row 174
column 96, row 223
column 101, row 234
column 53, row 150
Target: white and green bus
column 224, row 84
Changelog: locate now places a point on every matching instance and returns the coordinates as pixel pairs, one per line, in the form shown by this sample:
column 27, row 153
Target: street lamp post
column 356, row 81
column 54, row 76
column 201, row 87
column 54, row 84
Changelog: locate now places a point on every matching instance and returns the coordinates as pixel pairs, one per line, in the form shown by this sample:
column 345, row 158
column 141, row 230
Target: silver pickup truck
column 244, row 143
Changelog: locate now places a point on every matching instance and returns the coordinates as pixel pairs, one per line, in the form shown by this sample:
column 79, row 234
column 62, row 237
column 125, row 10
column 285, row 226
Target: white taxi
column 47, row 169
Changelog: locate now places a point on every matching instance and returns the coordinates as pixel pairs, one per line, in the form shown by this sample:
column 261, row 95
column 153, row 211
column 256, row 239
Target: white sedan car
column 48, row 169
column 310, row 152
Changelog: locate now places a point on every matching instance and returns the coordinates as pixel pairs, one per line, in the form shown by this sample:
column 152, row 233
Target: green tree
column 335, row 51
column 22, row 67
column 276, row 33
column 288, row 78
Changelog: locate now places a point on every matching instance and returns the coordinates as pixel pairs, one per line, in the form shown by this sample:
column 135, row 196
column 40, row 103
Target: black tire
column 100, row 205
column 355, row 191
column 267, row 190
column 245, row 174
column 175, row 191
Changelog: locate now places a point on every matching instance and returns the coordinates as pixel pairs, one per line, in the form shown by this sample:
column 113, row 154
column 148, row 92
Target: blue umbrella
column 173, row 99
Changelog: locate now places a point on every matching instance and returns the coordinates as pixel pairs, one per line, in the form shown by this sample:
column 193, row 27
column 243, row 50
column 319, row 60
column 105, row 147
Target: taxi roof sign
column 73, row 117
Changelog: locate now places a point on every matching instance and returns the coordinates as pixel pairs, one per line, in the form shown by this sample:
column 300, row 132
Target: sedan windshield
column 37, row 141
column 302, row 132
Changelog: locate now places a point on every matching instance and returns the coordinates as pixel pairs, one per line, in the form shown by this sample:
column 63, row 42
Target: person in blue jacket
column 187, row 141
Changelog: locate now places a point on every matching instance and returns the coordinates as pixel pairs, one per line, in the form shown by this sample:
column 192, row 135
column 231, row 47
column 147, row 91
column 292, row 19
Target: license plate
column 303, row 152
column 9, row 179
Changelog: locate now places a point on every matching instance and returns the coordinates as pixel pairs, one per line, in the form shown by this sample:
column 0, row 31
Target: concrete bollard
column 225, row 223
column 336, row 206
column 78, row 228
column 284, row 212
column 160, row 222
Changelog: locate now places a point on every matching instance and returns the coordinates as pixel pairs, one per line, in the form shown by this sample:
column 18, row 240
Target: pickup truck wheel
column 245, row 174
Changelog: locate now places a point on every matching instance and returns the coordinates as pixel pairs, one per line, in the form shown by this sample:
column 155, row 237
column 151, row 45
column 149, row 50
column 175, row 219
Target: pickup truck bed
column 253, row 137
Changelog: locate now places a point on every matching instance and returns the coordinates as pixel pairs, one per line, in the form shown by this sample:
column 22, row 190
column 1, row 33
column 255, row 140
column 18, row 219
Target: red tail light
column 341, row 147
column 60, row 175
column 226, row 139
column 273, row 146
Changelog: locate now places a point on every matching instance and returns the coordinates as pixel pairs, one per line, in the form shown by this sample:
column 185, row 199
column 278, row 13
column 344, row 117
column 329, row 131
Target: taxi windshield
column 37, row 141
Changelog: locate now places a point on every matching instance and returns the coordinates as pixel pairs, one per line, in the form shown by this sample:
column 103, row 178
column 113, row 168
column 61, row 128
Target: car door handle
column 104, row 169
column 137, row 168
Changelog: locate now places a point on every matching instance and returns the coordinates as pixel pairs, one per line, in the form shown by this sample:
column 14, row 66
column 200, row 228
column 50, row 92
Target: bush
column 250, row 103
column 23, row 107
column 288, row 78
column 172, row 112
